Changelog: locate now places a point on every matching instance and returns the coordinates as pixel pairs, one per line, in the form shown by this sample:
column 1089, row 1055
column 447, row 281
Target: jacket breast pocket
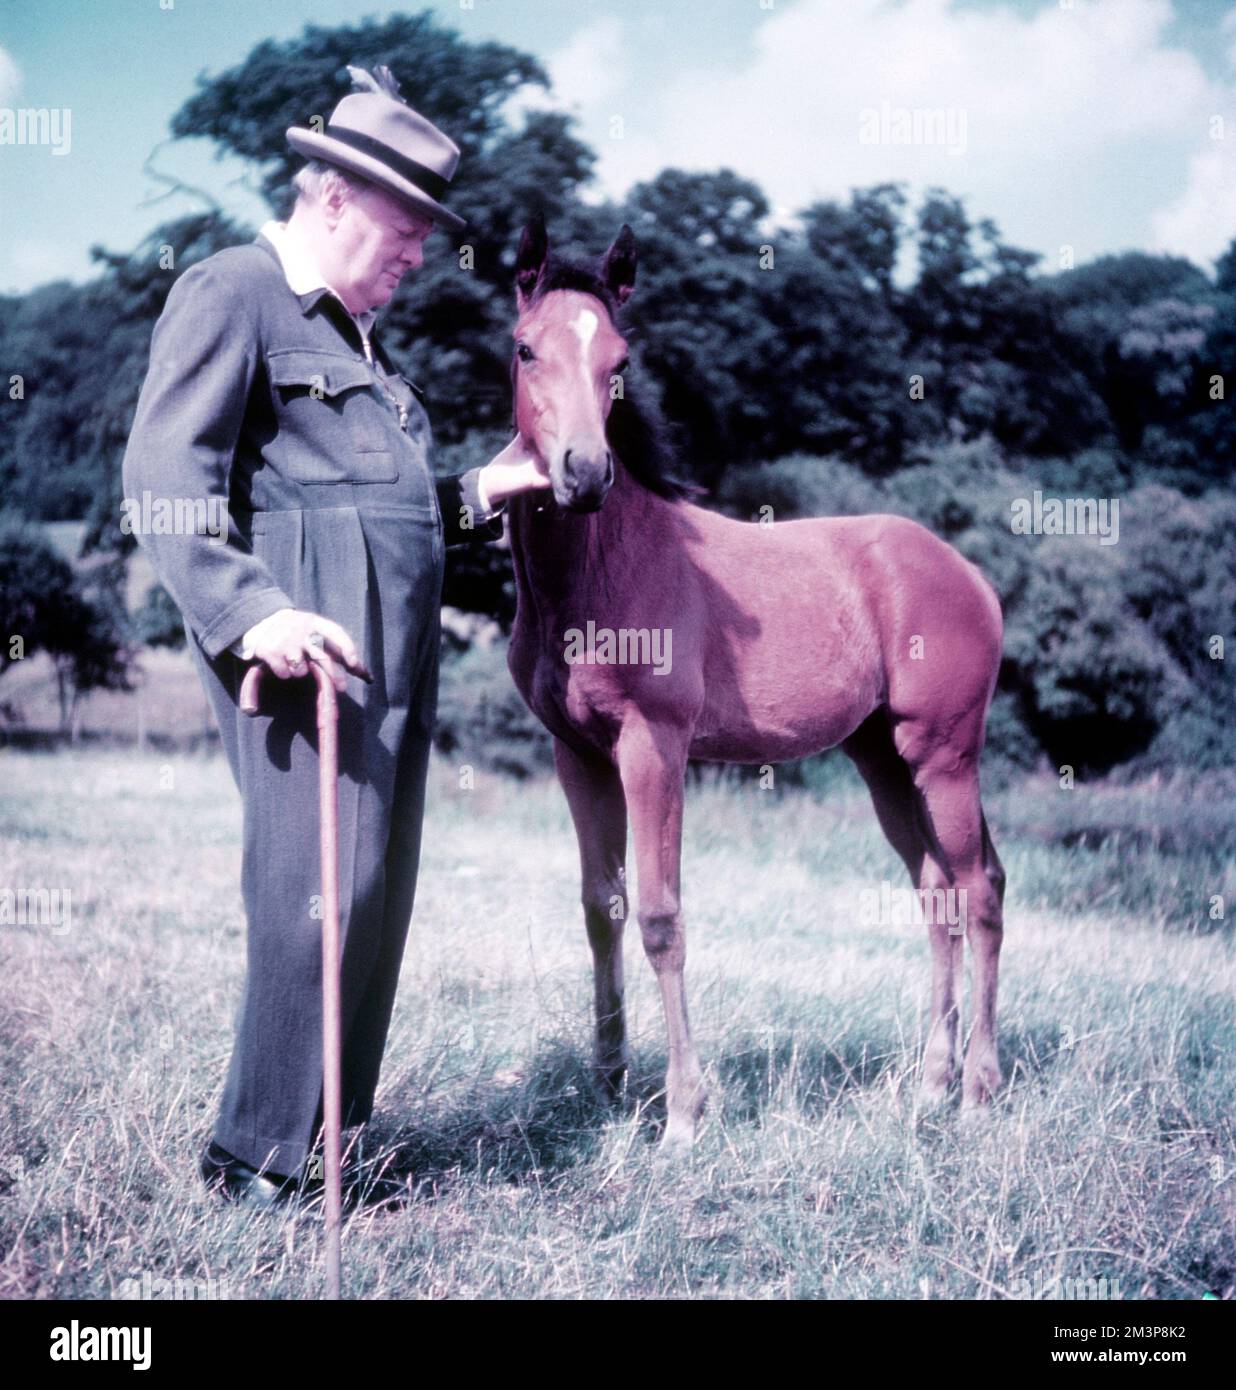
column 332, row 428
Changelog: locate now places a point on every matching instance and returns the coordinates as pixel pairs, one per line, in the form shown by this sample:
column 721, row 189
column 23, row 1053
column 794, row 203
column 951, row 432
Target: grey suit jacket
column 257, row 400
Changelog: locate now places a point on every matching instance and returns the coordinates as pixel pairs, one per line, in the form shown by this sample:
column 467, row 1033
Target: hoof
column 676, row 1143
column 930, row 1100
column 980, row 1084
column 974, row 1116
column 611, row 1081
column 933, row 1093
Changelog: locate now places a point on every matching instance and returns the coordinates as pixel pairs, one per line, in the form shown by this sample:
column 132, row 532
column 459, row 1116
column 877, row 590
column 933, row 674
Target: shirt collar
column 301, row 270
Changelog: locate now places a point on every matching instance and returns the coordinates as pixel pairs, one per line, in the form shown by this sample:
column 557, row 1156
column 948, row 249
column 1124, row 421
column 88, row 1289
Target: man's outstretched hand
column 282, row 643
column 516, row 469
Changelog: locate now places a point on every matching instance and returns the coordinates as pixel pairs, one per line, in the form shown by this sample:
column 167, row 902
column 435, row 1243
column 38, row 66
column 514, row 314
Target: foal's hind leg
column 652, row 760
column 899, row 809
column 982, row 1072
column 599, row 809
column 960, row 855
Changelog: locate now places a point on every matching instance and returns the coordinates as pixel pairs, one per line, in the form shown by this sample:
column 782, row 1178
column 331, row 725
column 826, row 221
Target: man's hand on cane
column 290, row 639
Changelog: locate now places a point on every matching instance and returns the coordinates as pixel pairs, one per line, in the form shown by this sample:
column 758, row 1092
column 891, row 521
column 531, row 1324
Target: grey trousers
column 379, row 574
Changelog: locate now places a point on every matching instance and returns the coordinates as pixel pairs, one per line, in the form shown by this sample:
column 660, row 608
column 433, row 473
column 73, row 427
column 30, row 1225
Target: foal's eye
column 524, row 352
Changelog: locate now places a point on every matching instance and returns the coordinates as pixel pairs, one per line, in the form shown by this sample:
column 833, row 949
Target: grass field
column 1109, row 1157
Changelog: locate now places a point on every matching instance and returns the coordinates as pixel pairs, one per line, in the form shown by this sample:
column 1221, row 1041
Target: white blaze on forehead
column 585, row 327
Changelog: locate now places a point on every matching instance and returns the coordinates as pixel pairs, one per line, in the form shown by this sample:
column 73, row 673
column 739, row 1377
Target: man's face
column 375, row 241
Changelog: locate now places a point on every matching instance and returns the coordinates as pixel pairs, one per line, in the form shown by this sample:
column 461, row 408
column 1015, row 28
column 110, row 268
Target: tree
column 448, row 323
column 158, row 622
column 1108, row 310
column 44, row 608
column 840, row 315
column 1095, row 684
column 1151, row 364
column 1209, row 432
column 81, row 353
column 990, row 343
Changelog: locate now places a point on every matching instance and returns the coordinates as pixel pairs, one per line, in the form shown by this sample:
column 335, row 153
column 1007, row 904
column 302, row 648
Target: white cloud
column 1046, row 105
column 10, row 77
column 1201, row 223
column 1228, row 28
column 592, row 66
column 31, row 263
column 1061, row 84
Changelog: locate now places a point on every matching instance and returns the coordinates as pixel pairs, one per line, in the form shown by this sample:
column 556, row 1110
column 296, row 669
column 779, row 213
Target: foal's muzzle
column 584, row 486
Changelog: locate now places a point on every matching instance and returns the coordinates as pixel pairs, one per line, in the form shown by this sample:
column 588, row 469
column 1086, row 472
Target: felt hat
column 376, row 134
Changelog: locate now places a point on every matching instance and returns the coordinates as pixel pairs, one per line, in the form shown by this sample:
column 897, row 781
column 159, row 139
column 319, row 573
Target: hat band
column 424, row 178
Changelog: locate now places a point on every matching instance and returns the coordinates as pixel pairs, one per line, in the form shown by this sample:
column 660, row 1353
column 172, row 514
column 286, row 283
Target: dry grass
column 1110, row 1156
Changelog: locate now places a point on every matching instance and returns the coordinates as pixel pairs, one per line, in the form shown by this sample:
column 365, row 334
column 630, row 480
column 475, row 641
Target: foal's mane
column 636, row 432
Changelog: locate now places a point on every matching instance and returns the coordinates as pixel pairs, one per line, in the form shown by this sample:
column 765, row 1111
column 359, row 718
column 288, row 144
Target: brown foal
column 650, row 630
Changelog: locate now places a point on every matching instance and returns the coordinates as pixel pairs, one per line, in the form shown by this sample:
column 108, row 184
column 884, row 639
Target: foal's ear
column 530, row 259
column 618, row 267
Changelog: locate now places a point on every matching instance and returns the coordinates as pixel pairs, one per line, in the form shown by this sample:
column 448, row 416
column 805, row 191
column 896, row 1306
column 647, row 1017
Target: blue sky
column 1099, row 125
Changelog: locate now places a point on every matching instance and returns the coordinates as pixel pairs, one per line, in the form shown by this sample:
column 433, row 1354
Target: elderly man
column 267, row 388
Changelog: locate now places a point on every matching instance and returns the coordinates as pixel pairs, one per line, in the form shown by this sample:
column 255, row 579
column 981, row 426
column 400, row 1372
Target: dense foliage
column 801, row 366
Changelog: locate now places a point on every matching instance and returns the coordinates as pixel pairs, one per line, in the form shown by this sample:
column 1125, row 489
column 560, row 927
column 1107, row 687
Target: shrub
column 482, row 718
column 796, row 486
column 43, row 607
column 158, row 622
column 1095, row 683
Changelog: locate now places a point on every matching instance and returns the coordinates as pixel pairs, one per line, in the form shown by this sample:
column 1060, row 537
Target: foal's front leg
column 594, row 793
column 652, row 760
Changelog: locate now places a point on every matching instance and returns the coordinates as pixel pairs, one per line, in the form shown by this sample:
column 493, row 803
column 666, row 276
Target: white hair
column 318, row 179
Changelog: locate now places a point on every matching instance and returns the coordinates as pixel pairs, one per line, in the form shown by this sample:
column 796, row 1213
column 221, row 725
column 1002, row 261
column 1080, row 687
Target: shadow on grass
column 546, row 1121
column 1034, row 1051
column 817, row 1073
column 550, row 1119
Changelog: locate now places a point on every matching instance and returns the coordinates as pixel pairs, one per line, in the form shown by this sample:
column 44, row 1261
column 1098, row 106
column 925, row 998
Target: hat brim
column 315, row 146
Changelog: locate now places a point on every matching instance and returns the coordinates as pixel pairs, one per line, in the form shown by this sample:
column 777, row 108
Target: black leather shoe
column 235, row 1181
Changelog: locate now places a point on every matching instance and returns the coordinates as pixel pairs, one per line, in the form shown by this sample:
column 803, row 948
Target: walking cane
column 328, row 802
